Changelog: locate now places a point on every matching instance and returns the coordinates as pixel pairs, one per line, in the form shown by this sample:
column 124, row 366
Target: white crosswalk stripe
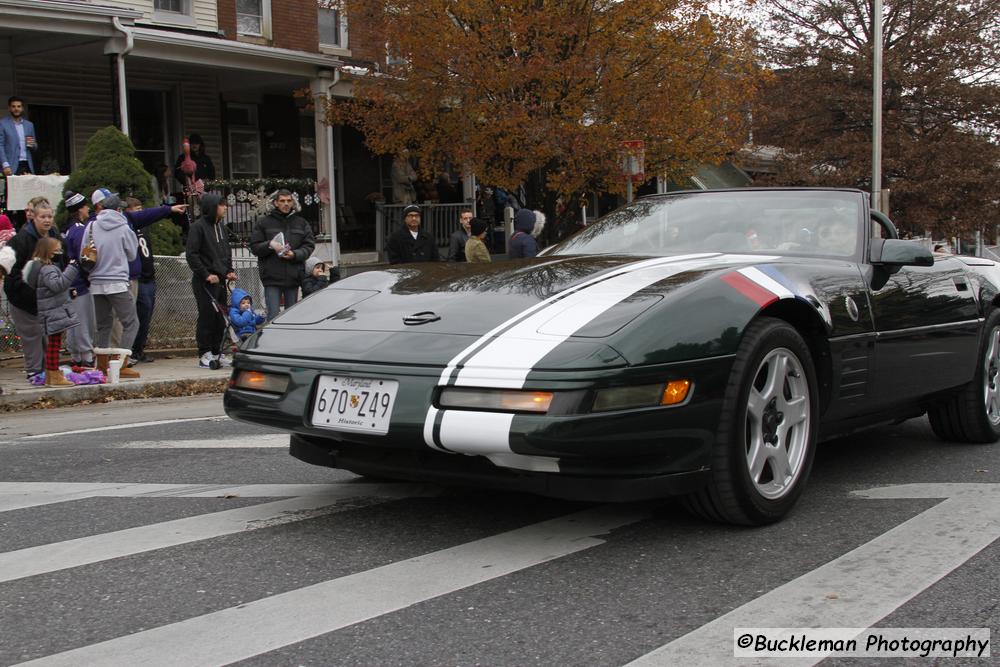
column 118, row 544
column 250, row 629
column 871, row 581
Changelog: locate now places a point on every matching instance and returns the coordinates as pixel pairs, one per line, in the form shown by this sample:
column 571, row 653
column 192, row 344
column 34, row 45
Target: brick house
column 225, row 69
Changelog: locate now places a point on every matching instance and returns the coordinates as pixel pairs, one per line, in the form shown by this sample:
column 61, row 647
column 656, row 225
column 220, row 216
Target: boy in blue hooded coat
column 241, row 314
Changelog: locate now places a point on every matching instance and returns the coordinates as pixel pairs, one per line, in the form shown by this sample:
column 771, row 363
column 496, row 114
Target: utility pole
column 876, row 201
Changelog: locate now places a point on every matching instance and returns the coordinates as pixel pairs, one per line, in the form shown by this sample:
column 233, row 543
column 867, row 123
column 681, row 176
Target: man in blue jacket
column 17, row 140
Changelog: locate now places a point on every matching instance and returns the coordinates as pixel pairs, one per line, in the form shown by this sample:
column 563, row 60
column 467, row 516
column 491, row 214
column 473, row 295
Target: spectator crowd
column 90, row 289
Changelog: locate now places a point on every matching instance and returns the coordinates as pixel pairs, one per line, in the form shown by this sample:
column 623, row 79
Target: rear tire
column 767, row 432
column 973, row 414
column 215, row 364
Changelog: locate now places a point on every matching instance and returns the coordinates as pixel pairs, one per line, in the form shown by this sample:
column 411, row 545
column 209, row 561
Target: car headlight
column 266, row 383
column 674, row 392
column 505, row 400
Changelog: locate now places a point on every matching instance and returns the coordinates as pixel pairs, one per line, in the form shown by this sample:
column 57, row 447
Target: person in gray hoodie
column 116, row 245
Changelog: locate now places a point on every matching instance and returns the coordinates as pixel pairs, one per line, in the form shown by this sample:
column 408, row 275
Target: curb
column 105, row 393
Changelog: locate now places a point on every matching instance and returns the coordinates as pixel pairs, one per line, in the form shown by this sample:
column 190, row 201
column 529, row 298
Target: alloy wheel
column 991, row 368
column 778, row 421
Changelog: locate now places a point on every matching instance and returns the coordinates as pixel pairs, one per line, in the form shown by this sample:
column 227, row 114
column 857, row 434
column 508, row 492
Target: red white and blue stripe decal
column 762, row 285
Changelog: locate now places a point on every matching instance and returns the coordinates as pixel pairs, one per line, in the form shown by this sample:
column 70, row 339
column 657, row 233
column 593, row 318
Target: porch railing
column 439, row 220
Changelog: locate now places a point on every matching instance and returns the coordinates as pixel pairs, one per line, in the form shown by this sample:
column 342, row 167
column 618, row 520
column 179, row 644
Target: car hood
column 474, row 299
column 546, row 313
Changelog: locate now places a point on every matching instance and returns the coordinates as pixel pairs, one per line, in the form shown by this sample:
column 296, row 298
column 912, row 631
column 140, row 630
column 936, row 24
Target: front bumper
column 621, row 455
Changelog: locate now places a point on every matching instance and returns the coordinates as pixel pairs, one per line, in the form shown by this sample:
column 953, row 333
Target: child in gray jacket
column 55, row 316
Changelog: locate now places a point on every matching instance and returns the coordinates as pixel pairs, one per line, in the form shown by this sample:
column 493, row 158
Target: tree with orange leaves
column 543, row 92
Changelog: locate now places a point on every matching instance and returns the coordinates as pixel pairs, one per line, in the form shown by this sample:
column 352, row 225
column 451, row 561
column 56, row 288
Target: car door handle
column 960, row 284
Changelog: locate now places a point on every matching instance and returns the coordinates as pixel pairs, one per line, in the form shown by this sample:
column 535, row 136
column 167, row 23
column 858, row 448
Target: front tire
column 767, row 433
column 973, row 414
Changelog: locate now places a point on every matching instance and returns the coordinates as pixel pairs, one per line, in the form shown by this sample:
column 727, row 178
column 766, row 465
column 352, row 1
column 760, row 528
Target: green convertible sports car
column 696, row 343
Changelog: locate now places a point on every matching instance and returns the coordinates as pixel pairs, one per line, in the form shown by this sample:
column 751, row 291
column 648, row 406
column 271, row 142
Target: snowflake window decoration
column 259, row 201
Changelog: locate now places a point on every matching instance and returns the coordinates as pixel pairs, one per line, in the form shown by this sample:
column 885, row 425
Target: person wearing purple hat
column 79, row 339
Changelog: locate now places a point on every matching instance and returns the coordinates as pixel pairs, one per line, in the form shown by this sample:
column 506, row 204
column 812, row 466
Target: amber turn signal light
column 675, row 392
column 268, row 383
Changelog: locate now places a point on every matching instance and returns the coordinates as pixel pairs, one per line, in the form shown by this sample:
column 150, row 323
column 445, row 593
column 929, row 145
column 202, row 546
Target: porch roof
column 63, row 16
column 73, row 23
column 215, row 52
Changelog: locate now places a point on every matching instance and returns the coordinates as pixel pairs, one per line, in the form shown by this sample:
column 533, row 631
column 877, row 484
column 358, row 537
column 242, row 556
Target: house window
column 149, row 127
column 332, row 29
column 244, row 140
column 177, row 12
column 253, row 18
column 169, row 6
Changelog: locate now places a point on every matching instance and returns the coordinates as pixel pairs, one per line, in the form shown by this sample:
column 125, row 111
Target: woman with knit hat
column 79, row 339
column 475, row 249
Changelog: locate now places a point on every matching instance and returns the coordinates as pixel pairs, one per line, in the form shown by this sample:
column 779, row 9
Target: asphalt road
column 161, row 533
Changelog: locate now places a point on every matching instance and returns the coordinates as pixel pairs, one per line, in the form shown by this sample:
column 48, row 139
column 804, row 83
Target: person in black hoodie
column 282, row 241
column 211, row 263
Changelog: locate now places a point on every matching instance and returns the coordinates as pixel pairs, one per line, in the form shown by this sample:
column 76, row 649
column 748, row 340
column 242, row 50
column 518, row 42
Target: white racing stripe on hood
column 489, row 335
column 503, row 357
column 506, row 361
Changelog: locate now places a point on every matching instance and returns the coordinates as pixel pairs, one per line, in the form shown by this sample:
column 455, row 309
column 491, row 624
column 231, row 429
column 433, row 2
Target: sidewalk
column 167, row 376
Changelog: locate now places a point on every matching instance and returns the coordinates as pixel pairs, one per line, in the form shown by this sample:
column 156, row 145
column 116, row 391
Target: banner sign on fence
column 22, row 189
column 633, row 160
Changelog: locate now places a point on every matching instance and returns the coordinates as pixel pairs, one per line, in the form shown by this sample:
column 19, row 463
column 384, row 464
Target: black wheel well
column 811, row 327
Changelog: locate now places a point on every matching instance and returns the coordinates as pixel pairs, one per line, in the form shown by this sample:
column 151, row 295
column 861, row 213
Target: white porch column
column 469, row 189
column 119, row 47
column 115, row 48
column 326, row 159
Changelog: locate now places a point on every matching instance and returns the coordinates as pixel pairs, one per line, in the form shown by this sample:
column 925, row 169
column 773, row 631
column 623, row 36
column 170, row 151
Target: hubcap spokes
column 777, row 423
column 991, row 367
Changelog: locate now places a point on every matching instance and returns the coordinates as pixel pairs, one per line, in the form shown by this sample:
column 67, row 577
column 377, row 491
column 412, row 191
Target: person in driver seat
column 837, row 237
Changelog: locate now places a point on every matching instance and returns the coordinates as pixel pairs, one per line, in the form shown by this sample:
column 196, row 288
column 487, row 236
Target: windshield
column 785, row 222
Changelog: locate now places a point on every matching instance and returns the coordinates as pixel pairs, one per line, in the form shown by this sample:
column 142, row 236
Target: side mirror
column 893, row 253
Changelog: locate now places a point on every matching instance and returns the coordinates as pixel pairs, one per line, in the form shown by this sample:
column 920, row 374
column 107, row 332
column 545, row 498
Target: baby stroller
column 227, row 330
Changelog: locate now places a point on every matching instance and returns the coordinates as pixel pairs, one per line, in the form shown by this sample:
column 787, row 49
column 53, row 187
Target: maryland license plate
column 354, row 404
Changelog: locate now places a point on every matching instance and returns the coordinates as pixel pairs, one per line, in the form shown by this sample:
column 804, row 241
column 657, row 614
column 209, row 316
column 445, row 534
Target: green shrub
column 109, row 161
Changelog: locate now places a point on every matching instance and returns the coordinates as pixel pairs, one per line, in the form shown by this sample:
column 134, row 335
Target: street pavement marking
column 248, row 630
column 870, row 582
column 118, row 427
column 96, row 548
column 21, row 495
column 236, row 442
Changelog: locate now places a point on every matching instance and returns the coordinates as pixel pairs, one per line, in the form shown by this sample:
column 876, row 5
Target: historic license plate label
column 354, row 404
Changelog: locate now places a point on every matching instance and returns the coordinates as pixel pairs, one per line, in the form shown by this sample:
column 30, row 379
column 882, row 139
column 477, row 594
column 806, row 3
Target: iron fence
column 249, row 199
